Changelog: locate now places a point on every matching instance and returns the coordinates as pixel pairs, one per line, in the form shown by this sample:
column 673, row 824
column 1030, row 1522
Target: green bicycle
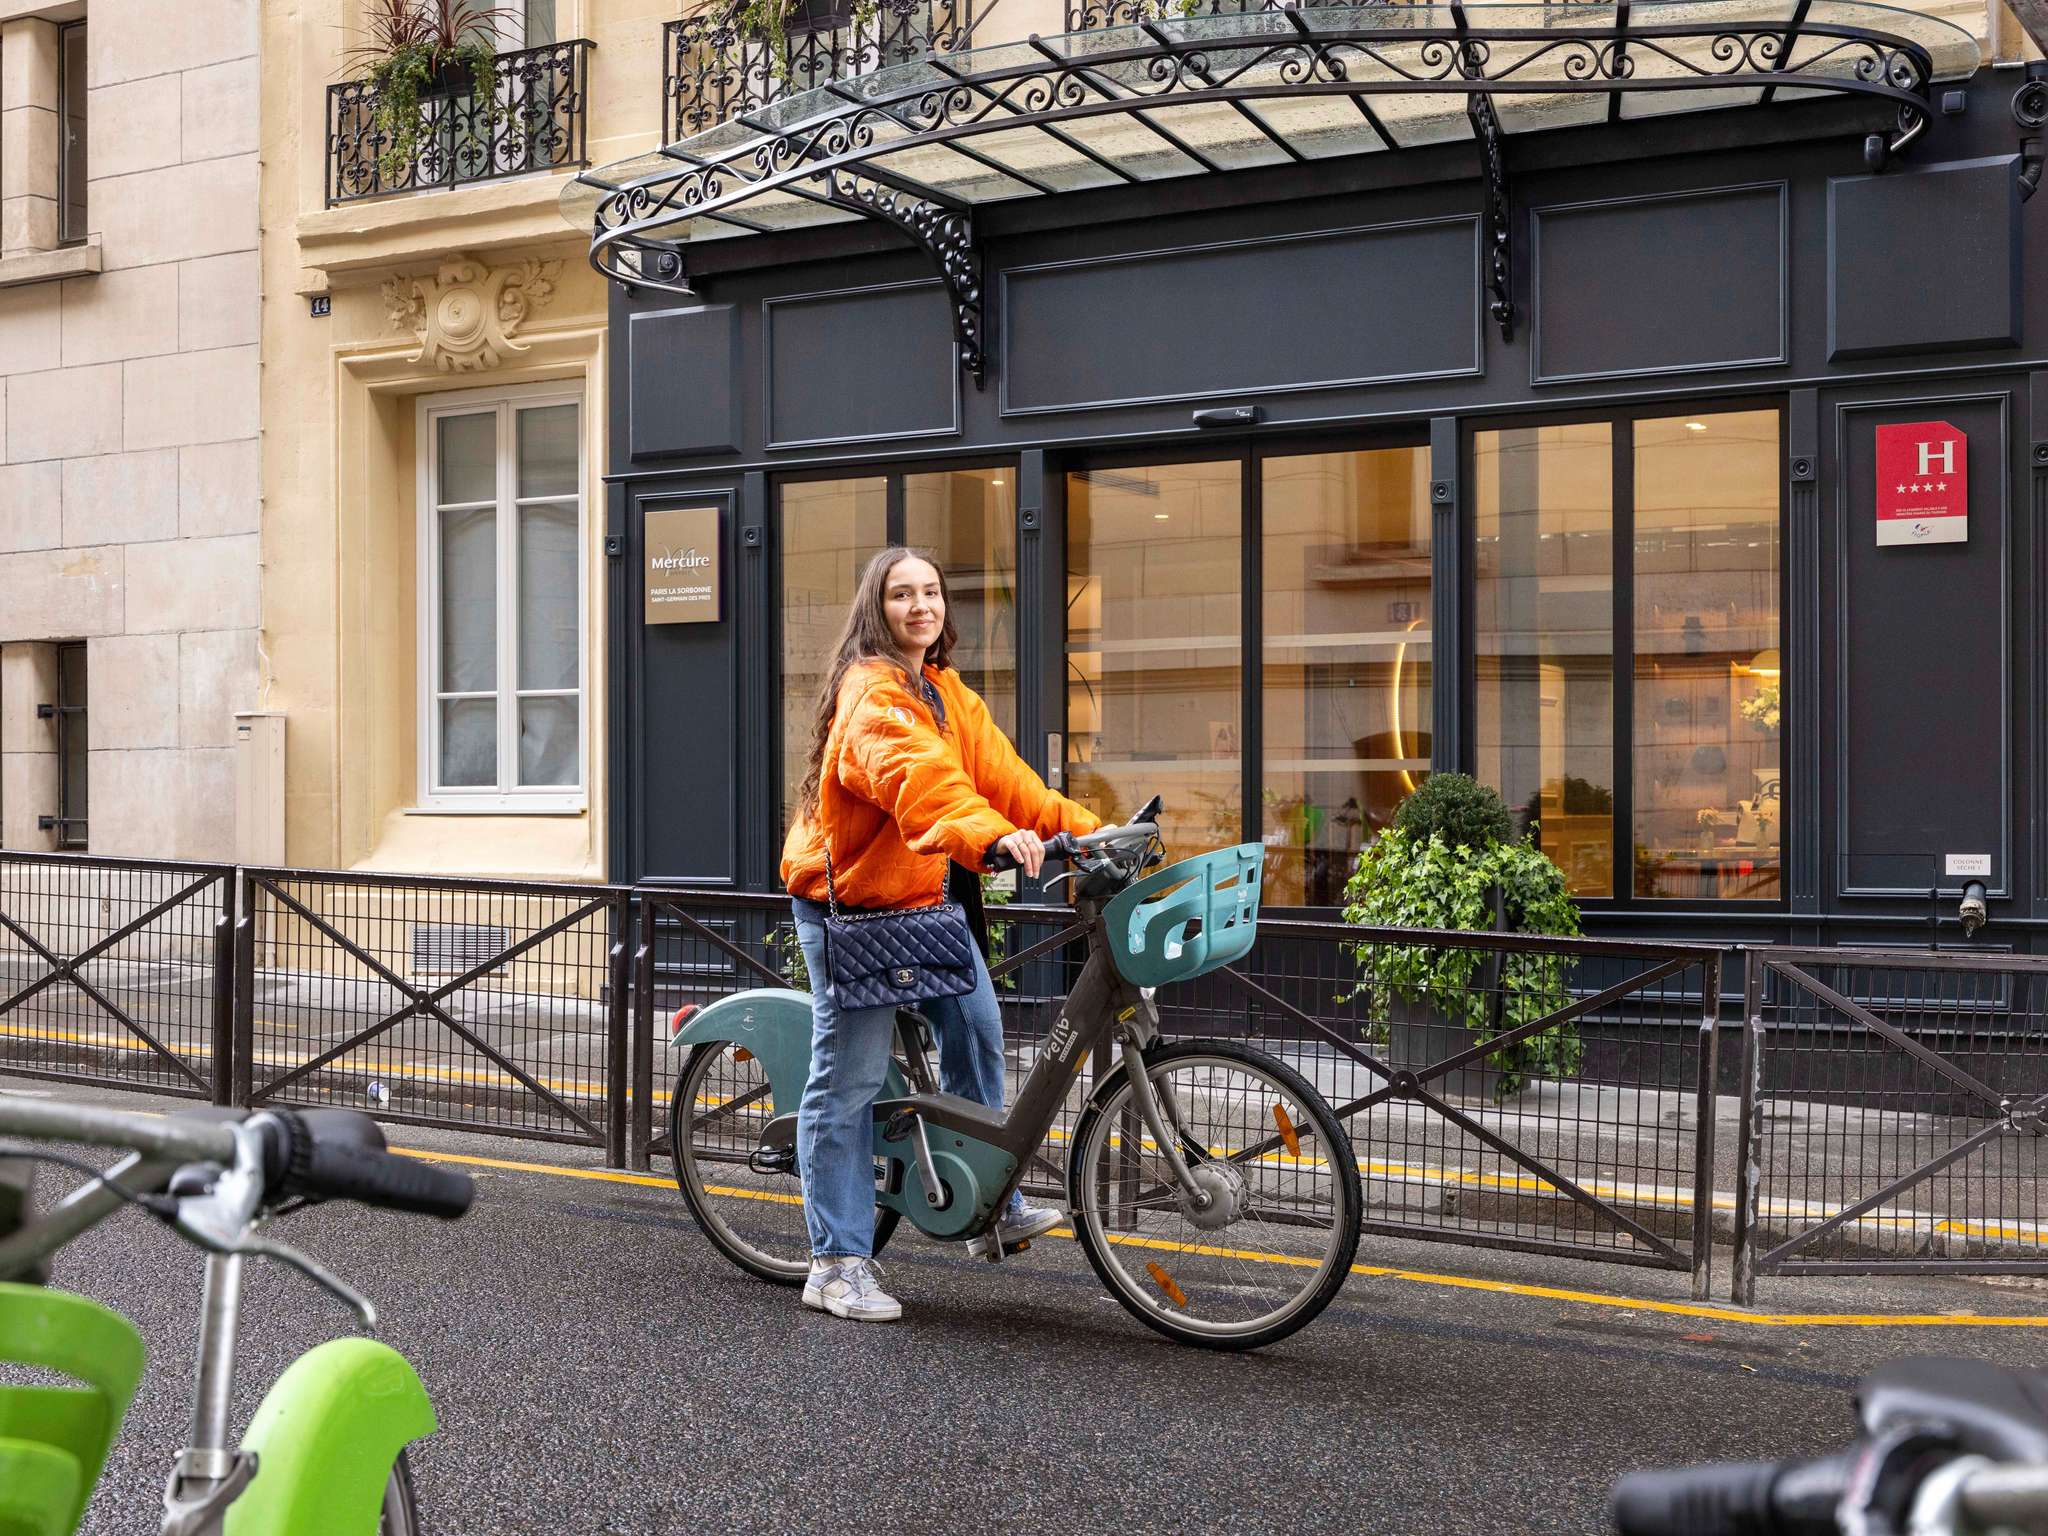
column 1212, row 1188
column 326, row 1448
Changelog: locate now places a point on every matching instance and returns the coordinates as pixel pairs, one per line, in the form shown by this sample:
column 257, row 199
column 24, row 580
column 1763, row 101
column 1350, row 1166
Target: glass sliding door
column 1154, row 646
column 1345, row 678
column 829, row 528
column 1543, row 633
column 1706, row 708
column 967, row 518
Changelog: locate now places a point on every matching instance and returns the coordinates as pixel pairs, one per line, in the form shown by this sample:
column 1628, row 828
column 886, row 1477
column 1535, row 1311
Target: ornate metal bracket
column 2030, row 111
column 1495, row 230
column 946, row 235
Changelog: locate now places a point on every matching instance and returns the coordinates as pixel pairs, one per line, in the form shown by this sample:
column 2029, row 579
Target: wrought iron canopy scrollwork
column 1190, row 95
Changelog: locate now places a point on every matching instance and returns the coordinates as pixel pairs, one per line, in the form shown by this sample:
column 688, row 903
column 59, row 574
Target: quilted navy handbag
column 894, row 958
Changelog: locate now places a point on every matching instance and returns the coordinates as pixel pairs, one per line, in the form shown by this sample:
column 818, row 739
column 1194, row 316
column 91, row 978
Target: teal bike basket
column 1188, row 918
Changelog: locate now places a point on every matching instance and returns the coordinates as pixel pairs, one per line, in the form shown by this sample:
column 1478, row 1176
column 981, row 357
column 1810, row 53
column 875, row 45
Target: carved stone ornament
column 467, row 315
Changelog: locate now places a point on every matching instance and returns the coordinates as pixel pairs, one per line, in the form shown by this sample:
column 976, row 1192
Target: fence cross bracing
column 516, row 1024
column 1893, row 1108
column 113, row 971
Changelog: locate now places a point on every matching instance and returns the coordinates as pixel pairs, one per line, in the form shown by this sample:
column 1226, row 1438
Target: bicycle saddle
column 1992, row 1410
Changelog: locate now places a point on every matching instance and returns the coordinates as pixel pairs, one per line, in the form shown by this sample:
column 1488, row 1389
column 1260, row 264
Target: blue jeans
column 849, row 1058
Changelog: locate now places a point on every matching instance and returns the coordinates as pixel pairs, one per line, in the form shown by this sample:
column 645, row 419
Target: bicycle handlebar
column 343, row 1171
column 1737, row 1498
column 158, row 1138
column 1063, row 846
column 299, row 1156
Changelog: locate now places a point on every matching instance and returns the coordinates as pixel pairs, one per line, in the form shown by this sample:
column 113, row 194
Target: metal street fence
column 492, row 1005
column 115, row 971
column 1893, row 1112
column 1885, row 1110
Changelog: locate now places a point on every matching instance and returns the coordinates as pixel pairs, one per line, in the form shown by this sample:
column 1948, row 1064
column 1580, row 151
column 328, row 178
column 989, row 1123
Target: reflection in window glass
column 968, row 520
column 829, row 529
column 1346, row 637
column 1543, row 629
column 1154, row 560
column 1706, row 656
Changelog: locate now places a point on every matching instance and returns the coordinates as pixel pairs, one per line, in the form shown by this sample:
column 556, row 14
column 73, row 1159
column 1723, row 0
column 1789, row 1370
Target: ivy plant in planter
column 1450, row 861
column 772, row 22
column 415, row 50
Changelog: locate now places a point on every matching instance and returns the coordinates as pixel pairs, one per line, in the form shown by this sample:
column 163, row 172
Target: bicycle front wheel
column 401, row 1514
column 1275, row 1232
column 752, row 1210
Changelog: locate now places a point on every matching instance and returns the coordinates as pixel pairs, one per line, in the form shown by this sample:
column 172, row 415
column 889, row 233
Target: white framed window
column 503, row 671
column 519, row 24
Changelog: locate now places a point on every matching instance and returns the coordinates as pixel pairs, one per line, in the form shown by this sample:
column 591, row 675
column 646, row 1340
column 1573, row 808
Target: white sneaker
column 850, row 1288
column 1019, row 1226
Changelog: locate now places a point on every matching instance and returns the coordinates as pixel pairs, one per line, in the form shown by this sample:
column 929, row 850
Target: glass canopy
column 1184, row 95
column 921, row 145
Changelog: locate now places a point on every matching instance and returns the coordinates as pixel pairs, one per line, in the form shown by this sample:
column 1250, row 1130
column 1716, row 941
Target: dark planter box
column 1419, row 1036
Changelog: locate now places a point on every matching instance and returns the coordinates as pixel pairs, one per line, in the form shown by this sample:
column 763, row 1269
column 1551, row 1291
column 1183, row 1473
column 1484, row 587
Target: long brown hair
column 865, row 637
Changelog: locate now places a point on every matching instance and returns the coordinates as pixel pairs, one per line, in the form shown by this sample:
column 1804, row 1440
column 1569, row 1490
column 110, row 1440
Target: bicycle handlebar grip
column 1058, row 846
column 1727, row 1499
column 338, row 1171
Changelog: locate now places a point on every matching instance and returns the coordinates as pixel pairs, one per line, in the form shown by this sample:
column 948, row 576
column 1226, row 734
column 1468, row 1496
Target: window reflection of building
column 1705, row 783
column 1700, row 785
column 966, row 518
column 1154, row 682
column 829, row 529
column 1544, row 638
column 1345, row 684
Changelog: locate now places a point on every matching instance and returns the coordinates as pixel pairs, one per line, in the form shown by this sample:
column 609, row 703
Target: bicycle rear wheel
column 754, row 1215
column 1281, row 1230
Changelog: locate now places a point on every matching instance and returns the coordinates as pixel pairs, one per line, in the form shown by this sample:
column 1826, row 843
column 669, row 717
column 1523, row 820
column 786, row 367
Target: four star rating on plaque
column 1929, row 485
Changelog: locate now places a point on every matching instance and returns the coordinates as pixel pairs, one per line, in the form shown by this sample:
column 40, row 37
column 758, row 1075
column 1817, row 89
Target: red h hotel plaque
column 1923, row 484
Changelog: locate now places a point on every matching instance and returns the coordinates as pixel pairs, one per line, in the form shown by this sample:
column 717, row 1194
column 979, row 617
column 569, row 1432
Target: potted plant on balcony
column 773, row 22
column 1450, row 860
column 414, row 51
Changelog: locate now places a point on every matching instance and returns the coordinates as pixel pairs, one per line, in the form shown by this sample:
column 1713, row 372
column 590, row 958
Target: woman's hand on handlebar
column 1020, row 850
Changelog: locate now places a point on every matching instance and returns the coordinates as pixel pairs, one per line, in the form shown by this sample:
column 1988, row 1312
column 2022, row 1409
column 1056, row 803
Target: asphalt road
column 599, row 1369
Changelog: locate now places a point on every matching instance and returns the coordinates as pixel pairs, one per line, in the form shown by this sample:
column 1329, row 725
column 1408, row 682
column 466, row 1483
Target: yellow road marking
column 1376, row 1271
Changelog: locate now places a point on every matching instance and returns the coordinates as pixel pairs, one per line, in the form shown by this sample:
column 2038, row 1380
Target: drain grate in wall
column 450, row 949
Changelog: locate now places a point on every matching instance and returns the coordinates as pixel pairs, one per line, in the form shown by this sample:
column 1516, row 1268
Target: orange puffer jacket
column 897, row 795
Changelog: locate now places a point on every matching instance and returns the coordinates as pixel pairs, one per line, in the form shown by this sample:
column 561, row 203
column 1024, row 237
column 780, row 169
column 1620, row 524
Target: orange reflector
column 1164, row 1281
column 1287, row 1133
column 741, row 1053
column 681, row 1017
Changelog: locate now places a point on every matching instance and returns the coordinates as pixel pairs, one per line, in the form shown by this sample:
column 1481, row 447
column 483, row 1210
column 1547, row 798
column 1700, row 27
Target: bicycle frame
column 321, row 1446
column 970, row 1155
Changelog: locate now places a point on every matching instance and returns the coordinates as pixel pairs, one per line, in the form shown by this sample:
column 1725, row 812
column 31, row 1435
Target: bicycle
column 1214, row 1192
column 1949, row 1448
column 326, row 1449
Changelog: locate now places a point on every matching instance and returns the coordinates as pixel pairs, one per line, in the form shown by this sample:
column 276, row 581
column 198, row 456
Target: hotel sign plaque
column 682, row 566
column 1923, row 484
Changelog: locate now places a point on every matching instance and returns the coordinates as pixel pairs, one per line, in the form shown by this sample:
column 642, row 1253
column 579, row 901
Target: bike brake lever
column 221, row 1219
column 1071, row 874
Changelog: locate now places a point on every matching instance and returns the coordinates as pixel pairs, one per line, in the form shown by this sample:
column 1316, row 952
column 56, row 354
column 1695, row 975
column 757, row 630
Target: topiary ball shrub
column 1457, row 808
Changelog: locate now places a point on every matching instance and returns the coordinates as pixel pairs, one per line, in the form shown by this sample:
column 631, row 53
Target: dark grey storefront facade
column 1861, row 720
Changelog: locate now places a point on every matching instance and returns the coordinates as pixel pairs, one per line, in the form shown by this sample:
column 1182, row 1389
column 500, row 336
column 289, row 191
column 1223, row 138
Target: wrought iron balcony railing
column 1087, row 15
column 536, row 119
column 716, row 69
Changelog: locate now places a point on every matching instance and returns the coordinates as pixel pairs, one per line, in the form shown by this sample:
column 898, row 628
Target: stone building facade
column 130, row 305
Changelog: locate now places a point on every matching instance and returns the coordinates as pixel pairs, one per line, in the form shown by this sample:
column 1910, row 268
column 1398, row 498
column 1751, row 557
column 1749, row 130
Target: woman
column 906, row 771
